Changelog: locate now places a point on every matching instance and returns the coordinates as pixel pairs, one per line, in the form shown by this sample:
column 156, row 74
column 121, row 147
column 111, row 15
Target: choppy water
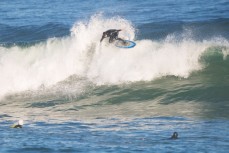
column 139, row 135
column 77, row 95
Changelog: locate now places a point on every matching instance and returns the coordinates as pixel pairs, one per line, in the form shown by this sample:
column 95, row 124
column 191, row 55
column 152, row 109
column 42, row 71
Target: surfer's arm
column 102, row 39
column 104, row 36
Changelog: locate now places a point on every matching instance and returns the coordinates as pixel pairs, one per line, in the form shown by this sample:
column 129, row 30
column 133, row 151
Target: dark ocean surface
column 76, row 94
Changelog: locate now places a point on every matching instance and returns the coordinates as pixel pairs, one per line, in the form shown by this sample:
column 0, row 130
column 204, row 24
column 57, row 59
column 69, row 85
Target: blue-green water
column 138, row 135
column 78, row 95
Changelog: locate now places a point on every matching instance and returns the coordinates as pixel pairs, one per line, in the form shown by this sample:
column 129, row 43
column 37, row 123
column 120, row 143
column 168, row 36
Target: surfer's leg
column 111, row 39
column 123, row 41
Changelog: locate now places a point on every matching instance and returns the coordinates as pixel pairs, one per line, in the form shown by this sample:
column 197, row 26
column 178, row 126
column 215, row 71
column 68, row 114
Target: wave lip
column 55, row 60
column 49, row 62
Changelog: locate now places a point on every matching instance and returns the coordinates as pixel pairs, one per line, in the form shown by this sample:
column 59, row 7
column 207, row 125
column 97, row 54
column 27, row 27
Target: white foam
column 147, row 61
column 82, row 55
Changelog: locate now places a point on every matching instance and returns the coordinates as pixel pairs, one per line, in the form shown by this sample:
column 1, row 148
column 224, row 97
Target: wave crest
column 80, row 54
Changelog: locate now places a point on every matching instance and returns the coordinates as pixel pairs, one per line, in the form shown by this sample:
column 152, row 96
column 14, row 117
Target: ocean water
column 76, row 94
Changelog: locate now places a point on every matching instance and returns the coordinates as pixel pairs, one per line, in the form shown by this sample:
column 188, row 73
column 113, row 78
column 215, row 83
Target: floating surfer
column 18, row 125
column 174, row 136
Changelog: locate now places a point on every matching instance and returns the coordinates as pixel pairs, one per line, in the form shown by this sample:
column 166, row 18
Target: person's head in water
column 174, row 136
column 18, row 125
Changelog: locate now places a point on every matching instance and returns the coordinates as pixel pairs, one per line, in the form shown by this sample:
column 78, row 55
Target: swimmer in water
column 18, row 125
column 174, row 136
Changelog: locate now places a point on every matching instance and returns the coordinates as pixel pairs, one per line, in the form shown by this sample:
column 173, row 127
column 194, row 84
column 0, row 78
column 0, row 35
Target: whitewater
column 81, row 55
column 75, row 94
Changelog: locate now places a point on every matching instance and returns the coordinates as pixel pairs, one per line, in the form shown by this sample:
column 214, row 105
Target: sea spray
column 82, row 55
column 47, row 63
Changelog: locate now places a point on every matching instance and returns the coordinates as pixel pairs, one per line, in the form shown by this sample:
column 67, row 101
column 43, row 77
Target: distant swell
column 200, row 30
column 21, row 35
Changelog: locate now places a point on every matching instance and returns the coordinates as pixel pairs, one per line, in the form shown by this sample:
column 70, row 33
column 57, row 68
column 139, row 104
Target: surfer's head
column 18, row 125
column 20, row 122
column 174, row 136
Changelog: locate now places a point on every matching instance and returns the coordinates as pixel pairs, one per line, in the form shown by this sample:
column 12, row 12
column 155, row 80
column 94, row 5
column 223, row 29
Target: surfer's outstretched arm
column 104, row 36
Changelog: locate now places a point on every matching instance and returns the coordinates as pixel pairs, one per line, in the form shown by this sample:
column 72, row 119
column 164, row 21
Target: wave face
column 49, row 62
column 68, row 72
column 76, row 94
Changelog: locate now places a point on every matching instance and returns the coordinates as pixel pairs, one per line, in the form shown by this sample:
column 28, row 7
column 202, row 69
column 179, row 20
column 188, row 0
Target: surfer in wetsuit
column 174, row 136
column 18, row 125
column 113, row 34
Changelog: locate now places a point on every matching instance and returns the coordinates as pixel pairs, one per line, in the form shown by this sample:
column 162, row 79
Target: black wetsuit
column 174, row 136
column 17, row 126
column 112, row 33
